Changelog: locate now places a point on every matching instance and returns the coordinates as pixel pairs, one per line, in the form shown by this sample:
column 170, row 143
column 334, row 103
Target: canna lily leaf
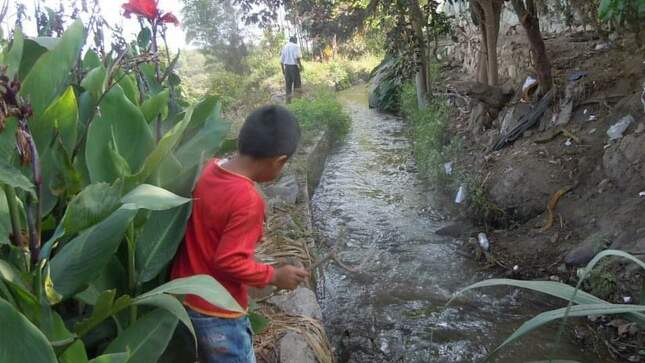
column 147, row 338
column 151, row 197
column 20, row 340
column 48, row 77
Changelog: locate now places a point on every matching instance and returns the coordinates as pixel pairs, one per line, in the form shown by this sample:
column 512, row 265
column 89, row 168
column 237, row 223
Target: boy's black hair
column 293, row 40
column 269, row 131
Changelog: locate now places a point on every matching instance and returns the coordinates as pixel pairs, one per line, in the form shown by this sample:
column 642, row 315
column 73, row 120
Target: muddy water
column 392, row 310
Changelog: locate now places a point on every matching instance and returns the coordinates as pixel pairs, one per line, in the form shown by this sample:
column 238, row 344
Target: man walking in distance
column 291, row 67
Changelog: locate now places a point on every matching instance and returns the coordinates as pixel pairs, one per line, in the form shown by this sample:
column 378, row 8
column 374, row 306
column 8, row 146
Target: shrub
column 321, row 111
column 97, row 163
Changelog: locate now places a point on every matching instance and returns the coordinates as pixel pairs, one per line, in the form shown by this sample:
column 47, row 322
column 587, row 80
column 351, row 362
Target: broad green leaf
column 149, row 74
column 209, row 107
column 31, row 52
column 143, row 39
column 129, row 85
column 106, row 306
column 124, row 123
column 92, row 205
column 15, row 53
column 91, row 60
column 206, row 141
column 161, row 151
column 9, row 273
column 60, row 116
column 156, row 105
column 5, row 219
column 151, row 197
column 53, row 326
column 158, row 243
column 8, row 141
column 259, row 322
column 171, row 305
column 573, row 311
column 75, row 353
column 203, row 286
column 94, row 81
column 82, row 259
column 12, row 177
column 180, row 180
column 48, row 42
column 147, row 338
column 48, row 77
column 20, row 340
column 112, row 358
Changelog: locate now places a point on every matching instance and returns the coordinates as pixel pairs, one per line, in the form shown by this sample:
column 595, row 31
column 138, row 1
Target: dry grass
column 312, row 330
column 287, row 240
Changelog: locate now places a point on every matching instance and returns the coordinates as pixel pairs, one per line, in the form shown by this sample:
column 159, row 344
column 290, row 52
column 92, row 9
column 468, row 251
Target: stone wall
column 513, row 51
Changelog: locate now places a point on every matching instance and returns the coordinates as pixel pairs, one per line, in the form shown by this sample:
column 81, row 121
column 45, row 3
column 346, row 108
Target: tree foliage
column 214, row 26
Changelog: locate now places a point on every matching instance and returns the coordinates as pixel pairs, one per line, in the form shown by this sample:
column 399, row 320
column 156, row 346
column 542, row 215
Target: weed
column 321, row 111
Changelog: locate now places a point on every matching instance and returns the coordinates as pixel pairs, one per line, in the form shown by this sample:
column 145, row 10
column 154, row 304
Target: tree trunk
column 422, row 81
column 479, row 20
column 529, row 20
column 486, row 14
column 492, row 10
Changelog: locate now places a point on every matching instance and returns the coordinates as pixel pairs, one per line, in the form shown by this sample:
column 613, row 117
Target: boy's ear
column 281, row 160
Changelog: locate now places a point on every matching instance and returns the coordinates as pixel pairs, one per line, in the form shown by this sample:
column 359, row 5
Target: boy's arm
column 236, row 249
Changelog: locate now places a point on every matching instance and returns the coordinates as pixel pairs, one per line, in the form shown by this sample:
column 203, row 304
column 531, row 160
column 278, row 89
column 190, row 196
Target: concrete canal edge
column 296, row 332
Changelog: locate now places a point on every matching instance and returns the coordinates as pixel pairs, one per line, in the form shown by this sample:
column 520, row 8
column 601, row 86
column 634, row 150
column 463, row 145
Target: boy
column 227, row 221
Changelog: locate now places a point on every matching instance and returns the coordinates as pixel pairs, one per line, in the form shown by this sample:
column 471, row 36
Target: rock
column 582, row 254
column 286, row 189
column 300, row 301
column 640, row 128
column 523, row 184
column 624, row 163
column 294, row 349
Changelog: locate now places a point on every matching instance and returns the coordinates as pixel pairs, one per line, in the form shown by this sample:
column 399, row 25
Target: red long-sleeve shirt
column 226, row 223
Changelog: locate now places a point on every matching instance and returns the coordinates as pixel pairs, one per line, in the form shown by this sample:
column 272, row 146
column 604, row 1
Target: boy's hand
column 288, row 277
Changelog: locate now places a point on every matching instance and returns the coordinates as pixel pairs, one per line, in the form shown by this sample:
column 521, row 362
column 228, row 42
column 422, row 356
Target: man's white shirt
column 290, row 54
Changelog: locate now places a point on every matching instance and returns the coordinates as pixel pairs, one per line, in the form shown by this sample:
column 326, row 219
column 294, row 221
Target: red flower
column 169, row 18
column 146, row 8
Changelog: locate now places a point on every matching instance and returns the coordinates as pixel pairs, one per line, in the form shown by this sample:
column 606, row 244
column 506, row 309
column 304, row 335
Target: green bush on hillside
column 320, row 112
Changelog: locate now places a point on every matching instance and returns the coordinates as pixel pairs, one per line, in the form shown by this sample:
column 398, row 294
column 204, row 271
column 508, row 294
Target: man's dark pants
column 292, row 79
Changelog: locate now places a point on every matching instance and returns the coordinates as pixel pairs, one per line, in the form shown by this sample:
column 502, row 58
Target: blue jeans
column 223, row 340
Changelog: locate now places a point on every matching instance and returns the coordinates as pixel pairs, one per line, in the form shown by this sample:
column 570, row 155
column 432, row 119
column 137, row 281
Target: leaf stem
column 132, row 278
column 16, row 237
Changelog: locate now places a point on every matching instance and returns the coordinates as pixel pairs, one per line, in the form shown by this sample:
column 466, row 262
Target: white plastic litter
column 530, row 81
column 616, row 130
column 627, row 299
column 593, row 117
column 447, row 167
column 484, row 243
column 641, row 194
column 568, row 142
column 461, row 194
column 516, row 268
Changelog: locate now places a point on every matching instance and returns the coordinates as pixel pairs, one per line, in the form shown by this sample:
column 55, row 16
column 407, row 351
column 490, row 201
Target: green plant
column 97, row 162
column 432, row 144
column 580, row 303
column 321, row 111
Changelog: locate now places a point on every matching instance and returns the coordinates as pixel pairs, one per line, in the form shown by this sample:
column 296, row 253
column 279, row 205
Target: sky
column 112, row 12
